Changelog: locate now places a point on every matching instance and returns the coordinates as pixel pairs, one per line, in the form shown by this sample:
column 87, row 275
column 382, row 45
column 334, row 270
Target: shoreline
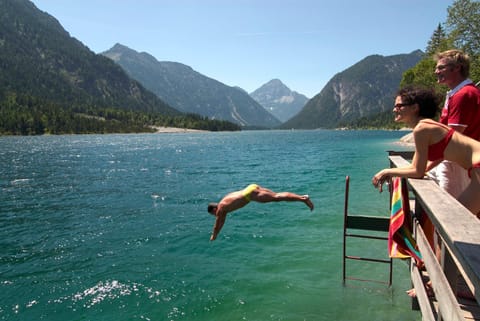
column 165, row 130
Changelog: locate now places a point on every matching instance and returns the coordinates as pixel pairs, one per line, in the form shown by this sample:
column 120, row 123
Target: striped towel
column 401, row 243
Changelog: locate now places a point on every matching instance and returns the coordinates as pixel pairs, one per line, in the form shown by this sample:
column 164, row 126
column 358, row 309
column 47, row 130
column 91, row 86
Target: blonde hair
column 456, row 57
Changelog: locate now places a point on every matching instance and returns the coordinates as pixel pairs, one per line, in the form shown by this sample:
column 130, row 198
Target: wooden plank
column 459, row 228
column 398, row 161
column 422, row 297
column 404, row 154
column 448, row 304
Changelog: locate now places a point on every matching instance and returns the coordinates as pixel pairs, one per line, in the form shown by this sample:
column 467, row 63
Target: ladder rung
column 367, row 236
column 366, row 259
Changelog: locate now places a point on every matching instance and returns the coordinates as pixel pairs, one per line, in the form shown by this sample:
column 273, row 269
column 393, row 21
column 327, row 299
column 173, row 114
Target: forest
column 28, row 115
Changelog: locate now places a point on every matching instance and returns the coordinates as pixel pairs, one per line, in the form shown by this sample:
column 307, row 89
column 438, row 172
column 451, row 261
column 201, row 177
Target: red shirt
column 463, row 109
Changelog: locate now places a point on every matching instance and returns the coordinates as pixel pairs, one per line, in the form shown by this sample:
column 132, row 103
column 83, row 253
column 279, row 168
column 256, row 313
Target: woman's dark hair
column 426, row 99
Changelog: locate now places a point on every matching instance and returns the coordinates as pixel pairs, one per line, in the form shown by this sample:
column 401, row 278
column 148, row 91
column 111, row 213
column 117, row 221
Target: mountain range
column 45, row 66
column 41, row 59
column 364, row 89
column 189, row 91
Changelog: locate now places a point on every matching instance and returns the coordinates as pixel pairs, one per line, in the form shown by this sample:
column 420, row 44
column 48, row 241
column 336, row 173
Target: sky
column 247, row 43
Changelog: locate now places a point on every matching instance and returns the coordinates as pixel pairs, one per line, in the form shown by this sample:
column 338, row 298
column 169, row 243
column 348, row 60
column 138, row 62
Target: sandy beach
column 164, row 130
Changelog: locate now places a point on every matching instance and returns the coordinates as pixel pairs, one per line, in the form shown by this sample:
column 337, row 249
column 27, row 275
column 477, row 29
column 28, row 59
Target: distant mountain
column 40, row 59
column 189, row 91
column 365, row 89
column 279, row 100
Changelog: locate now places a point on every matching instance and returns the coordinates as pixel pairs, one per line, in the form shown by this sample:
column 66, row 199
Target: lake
column 115, row 227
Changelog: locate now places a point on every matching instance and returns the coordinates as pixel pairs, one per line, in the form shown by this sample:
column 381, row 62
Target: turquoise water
column 115, row 227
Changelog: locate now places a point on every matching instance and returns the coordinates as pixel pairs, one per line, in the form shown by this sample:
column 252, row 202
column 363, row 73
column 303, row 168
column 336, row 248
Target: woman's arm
column 419, row 162
column 431, row 165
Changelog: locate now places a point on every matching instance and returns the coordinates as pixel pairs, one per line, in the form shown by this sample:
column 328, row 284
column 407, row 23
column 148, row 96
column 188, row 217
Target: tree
column 438, row 41
column 462, row 31
column 463, row 28
column 463, row 25
column 422, row 74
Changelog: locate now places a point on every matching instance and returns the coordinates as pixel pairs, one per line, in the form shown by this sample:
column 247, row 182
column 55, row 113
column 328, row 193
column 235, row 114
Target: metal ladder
column 362, row 224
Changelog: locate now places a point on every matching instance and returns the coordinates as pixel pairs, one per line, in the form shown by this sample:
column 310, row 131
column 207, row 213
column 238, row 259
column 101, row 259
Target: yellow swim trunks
column 248, row 190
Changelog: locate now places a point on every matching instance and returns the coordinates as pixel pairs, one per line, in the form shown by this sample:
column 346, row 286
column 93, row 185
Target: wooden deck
column 459, row 232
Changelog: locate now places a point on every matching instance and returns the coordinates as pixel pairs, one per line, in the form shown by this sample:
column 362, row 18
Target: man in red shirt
column 461, row 112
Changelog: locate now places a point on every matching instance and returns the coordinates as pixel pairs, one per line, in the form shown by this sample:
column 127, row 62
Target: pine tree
column 463, row 25
column 438, row 41
column 463, row 28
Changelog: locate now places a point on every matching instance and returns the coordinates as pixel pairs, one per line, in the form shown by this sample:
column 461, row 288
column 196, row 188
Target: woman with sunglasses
column 434, row 142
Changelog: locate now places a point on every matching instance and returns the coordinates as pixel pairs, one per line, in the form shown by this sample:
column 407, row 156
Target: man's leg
column 264, row 195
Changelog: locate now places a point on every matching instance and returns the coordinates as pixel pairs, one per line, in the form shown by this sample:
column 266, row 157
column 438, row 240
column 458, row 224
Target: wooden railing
column 459, row 232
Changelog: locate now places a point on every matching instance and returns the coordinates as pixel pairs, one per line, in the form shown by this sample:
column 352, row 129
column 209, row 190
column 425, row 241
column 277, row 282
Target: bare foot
column 420, row 265
column 308, row 202
column 428, row 287
column 411, row 293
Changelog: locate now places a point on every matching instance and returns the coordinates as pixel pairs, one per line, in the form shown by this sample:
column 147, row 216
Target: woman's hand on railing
column 380, row 178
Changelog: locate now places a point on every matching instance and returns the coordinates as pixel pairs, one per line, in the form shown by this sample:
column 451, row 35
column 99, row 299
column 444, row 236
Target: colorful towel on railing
column 401, row 243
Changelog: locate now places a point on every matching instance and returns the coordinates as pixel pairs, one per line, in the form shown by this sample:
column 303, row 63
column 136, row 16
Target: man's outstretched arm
column 219, row 221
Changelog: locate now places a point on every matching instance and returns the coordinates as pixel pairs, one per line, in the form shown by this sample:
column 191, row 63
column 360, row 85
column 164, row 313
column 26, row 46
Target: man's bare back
column 253, row 192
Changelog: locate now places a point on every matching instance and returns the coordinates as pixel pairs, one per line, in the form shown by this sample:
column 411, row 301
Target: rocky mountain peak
column 279, row 100
column 189, row 91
